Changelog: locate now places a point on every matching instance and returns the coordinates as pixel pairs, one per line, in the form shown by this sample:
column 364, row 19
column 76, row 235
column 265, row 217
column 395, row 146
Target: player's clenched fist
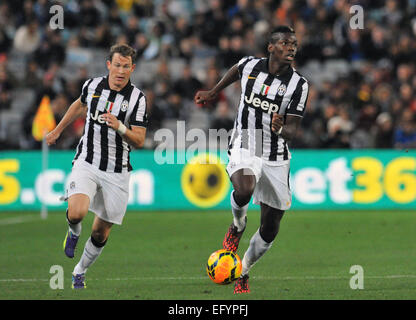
column 201, row 97
column 277, row 122
column 51, row 137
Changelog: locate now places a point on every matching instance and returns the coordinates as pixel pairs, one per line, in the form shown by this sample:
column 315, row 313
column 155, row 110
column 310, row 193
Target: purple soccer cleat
column 70, row 243
column 78, row 281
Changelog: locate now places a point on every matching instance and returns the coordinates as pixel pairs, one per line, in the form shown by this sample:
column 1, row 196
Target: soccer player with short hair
column 272, row 104
column 99, row 181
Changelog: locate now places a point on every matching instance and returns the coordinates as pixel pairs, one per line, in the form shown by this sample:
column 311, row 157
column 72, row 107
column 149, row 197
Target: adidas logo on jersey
column 265, row 105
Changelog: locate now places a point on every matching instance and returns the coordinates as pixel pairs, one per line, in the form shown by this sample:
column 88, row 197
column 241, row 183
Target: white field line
column 16, row 220
column 398, row 276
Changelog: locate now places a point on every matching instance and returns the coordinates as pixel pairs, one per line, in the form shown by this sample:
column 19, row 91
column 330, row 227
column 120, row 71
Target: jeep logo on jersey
column 97, row 117
column 263, row 104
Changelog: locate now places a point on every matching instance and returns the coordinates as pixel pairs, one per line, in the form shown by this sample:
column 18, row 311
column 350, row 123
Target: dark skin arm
column 201, row 97
column 290, row 126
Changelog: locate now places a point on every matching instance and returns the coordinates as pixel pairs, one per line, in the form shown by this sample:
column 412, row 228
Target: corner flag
column 44, row 120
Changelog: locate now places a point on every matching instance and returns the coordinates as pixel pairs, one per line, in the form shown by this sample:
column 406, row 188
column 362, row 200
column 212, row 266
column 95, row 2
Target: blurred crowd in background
column 362, row 82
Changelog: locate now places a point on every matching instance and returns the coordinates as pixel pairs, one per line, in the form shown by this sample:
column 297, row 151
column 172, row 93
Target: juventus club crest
column 281, row 90
column 124, row 105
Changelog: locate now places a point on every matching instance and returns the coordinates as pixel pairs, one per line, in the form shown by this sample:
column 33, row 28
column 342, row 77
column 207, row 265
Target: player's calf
column 270, row 222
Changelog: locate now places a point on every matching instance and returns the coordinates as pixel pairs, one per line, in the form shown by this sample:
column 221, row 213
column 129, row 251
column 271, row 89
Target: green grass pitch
column 162, row 255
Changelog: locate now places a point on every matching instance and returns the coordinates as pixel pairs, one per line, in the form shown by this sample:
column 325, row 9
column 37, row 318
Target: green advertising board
column 340, row 179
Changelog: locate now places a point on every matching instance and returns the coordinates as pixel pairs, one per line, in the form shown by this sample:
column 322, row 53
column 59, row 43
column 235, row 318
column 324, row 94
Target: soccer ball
column 224, row 266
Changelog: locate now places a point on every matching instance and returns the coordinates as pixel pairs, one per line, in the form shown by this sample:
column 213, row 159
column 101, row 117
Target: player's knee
column 268, row 233
column 78, row 205
column 243, row 193
column 75, row 215
column 244, row 185
column 98, row 238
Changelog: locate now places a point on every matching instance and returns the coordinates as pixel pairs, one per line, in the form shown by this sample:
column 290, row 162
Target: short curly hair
column 277, row 30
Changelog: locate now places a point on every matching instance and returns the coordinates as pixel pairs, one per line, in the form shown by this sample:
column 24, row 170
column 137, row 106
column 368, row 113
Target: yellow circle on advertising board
column 204, row 180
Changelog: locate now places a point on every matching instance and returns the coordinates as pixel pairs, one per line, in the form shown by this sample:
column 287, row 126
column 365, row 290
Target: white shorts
column 108, row 191
column 272, row 187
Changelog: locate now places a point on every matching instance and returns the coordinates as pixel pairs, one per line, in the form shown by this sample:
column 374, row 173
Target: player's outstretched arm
column 201, row 97
column 76, row 109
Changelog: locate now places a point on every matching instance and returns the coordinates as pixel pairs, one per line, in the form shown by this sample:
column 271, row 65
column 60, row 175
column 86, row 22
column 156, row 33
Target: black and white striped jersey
column 263, row 94
column 101, row 145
